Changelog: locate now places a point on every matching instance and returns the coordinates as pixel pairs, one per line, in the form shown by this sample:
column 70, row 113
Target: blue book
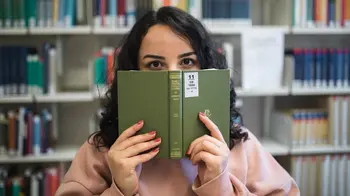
column 332, row 68
column 346, row 67
column 318, row 63
column 112, row 12
column 325, row 68
column 307, row 68
column 37, row 135
column 298, row 68
column 340, row 68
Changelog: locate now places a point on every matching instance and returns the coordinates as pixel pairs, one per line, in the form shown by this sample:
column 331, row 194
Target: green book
column 169, row 102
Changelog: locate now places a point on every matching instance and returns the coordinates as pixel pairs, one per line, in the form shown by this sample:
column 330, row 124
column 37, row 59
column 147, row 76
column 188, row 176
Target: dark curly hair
column 207, row 53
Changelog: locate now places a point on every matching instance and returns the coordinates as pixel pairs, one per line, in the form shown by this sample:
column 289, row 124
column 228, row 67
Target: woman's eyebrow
column 186, row 54
column 153, row 56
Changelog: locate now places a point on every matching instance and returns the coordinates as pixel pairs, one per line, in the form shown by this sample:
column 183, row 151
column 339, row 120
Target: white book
column 52, row 71
column 131, row 12
column 297, row 13
column 334, row 174
column 344, row 122
column 326, row 176
column 21, row 130
column 228, row 48
column 347, row 181
column 336, row 127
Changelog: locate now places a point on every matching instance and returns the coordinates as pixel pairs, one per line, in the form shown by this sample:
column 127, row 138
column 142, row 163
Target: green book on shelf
column 170, row 101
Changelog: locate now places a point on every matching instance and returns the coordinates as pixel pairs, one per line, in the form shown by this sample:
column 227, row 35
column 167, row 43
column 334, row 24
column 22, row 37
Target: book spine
column 175, row 115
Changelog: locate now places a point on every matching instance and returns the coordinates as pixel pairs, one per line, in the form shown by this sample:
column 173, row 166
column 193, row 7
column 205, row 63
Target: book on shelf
column 26, row 132
column 305, row 127
column 322, row 14
column 319, row 68
column 169, row 102
column 43, row 13
column 322, row 175
column 28, row 70
column 39, row 180
column 124, row 13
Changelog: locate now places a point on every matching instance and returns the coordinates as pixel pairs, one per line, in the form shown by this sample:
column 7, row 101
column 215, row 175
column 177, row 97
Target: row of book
column 322, row 175
column 114, row 13
column 42, row 13
column 321, row 13
column 26, row 132
column 27, row 70
column 319, row 67
column 31, row 182
column 305, row 127
column 314, row 127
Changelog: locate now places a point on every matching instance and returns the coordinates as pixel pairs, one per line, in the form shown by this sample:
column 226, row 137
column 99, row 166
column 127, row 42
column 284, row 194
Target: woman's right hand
column 127, row 153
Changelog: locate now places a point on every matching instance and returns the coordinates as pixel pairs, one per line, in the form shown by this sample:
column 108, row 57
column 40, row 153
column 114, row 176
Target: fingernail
column 140, row 122
column 152, row 132
column 157, row 140
column 201, row 113
column 156, row 150
column 188, row 151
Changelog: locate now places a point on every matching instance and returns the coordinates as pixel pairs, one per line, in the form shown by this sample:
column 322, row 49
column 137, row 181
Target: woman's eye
column 154, row 64
column 187, row 62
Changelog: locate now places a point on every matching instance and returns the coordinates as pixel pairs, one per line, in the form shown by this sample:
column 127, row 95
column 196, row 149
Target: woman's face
column 162, row 49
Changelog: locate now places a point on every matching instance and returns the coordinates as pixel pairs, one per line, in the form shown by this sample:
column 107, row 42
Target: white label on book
column 191, row 84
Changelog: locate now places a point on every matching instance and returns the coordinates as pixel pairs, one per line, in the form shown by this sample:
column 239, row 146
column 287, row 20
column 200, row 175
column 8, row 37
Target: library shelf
column 16, row 99
column 274, row 148
column 13, row 31
column 59, row 155
column 239, row 29
column 320, row 31
column 319, row 149
column 66, row 97
column 110, row 31
column 75, row 30
column 283, row 91
column 320, row 91
column 51, row 98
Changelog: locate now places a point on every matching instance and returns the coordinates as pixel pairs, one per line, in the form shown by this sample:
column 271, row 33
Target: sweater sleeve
column 88, row 174
column 251, row 171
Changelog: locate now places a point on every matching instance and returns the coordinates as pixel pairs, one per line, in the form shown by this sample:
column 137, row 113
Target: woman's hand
column 210, row 153
column 124, row 157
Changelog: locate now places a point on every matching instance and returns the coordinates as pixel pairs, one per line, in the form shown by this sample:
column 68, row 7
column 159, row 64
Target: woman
column 112, row 164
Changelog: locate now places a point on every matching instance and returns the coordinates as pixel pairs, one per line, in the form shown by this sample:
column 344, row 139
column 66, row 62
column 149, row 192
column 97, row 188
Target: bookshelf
column 77, row 100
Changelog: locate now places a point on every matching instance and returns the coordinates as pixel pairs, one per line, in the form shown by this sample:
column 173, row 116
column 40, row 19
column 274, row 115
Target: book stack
column 42, row 13
column 25, row 132
column 32, row 181
column 27, row 70
column 321, row 13
column 319, row 67
column 322, row 175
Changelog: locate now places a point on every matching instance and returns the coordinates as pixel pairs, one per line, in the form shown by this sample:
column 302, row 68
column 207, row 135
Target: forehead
column 160, row 39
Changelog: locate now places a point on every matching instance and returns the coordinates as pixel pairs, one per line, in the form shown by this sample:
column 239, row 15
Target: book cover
column 169, row 102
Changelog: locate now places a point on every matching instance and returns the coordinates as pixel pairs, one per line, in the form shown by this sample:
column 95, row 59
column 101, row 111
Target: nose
column 173, row 67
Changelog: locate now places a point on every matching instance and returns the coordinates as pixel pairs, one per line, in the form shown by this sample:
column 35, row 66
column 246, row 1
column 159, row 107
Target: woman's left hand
column 210, row 153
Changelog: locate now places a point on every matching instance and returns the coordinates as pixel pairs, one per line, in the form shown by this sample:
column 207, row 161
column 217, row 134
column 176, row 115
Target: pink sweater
column 251, row 171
